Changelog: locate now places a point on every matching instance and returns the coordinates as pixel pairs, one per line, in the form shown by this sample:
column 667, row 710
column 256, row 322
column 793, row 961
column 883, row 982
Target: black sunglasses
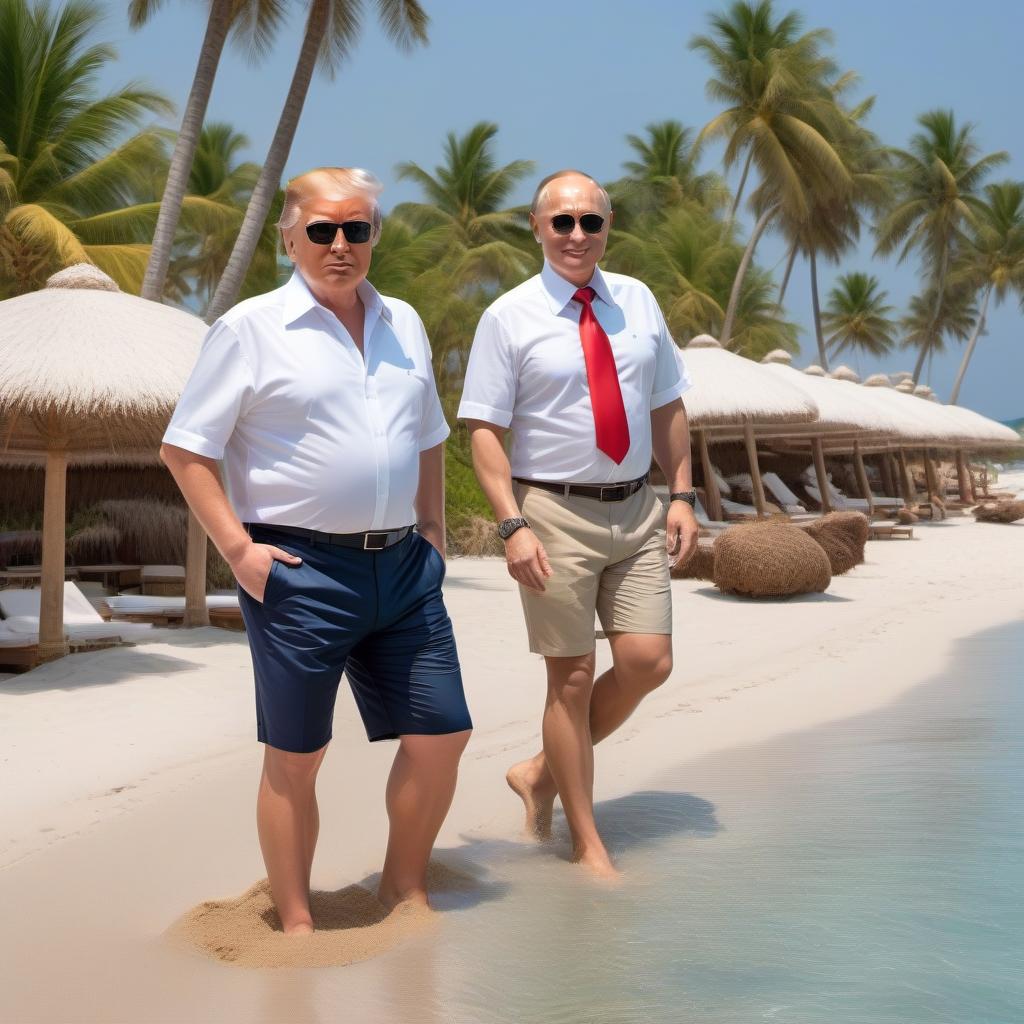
column 323, row 232
column 564, row 223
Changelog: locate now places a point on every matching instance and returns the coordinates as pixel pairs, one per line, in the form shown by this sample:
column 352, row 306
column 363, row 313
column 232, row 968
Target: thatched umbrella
column 853, row 422
column 732, row 395
column 86, row 368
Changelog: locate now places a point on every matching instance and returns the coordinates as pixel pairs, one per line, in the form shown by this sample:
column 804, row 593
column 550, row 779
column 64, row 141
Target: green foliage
column 857, row 317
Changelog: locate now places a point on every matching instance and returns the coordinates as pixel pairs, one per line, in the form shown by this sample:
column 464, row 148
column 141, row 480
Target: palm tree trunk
column 739, row 194
column 785, row 277
column 975, row 334
column 185, row 150
column 269, row 180
column 741, row 273
column 822, row 354
column 929, row 344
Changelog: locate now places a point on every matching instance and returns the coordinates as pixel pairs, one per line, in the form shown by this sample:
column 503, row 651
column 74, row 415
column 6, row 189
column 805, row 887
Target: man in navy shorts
column 320, row 399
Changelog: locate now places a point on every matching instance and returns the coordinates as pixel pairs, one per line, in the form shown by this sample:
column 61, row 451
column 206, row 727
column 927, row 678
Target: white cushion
column 25, row 603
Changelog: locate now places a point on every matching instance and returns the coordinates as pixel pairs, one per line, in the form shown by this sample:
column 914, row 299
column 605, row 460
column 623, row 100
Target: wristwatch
column 690, row 497
column 509, row 526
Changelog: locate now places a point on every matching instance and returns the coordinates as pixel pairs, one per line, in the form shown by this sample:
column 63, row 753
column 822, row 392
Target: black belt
column 373, row 540
column 603, row 492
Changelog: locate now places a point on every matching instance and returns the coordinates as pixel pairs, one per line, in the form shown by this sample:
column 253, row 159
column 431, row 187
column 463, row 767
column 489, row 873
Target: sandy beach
column 127, row 777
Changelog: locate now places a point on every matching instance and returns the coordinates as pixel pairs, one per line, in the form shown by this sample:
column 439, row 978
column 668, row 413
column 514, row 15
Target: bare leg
column 641, row 662
column 288, row 823
column 570, row 755
column 419, row 792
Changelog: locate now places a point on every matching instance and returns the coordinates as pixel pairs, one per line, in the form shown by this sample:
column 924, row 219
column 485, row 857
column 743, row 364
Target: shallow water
column 870, row 871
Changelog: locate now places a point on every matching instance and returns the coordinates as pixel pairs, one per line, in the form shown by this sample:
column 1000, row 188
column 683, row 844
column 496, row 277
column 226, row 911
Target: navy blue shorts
column 377, row 616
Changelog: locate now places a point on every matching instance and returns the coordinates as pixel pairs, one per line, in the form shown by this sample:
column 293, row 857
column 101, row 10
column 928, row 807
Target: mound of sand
column 351, row 924
column 769, row 560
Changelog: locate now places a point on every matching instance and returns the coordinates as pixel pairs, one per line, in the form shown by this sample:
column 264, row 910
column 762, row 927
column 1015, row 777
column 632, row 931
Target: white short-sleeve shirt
column 526, row 371
column 311, row 433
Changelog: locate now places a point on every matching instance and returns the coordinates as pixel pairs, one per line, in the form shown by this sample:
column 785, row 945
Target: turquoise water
column 866, row 872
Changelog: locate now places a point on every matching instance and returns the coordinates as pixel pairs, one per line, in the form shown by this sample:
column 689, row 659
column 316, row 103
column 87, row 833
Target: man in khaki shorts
column 580, row 367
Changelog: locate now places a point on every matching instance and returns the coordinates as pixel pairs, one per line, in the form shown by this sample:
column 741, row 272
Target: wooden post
column 711, row 493
column 862, row 478
column 885, row 469
column 196, row 612
column 906, row 480
column 51, row 597
column 929, row 476
column 819, row 469
column 963, row 477
column 755, row 473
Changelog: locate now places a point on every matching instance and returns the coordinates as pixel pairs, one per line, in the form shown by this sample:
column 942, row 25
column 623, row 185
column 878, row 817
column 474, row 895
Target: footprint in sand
column 351, row 925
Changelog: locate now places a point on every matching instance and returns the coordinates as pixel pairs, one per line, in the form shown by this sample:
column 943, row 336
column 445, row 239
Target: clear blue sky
column 567, row 81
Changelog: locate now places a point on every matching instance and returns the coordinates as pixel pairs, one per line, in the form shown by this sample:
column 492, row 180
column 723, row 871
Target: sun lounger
column 82, row 622
column 84, row 628
column 152, row 608
column 889, row 531
column 163, row 580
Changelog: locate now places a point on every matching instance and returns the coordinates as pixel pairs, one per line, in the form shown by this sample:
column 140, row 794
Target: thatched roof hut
column 734, row 397
column 730, row 390
column 85, row 368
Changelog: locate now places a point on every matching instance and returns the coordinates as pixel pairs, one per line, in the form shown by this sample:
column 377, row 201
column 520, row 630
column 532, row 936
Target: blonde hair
column 333, row 183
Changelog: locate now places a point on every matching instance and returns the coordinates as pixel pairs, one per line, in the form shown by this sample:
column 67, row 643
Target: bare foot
column 299, row 928
column 599, row 865
column 528, row 782
column 391, row 897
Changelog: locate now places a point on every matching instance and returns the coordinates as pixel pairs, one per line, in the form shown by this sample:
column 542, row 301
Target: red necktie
column 610, row 426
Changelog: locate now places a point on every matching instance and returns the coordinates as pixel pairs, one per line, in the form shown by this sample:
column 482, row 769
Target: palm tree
column 467, row 194
column 255, row 20
column 67, row 185
column 993, row 260
column 858, row 317
column 691, row 269
column 769, row 76
column 938, row 182
column 927, row 331
column 665, row 173
column 834, row 220
column 218, row 176
column 331, row 30
column 782, row 114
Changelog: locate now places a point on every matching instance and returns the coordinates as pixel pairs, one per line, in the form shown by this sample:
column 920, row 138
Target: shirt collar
column 559, row 292
column 298, row 299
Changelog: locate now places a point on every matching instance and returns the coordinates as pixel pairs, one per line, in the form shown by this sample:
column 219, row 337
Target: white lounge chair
column 224, row 609
column 20, row 610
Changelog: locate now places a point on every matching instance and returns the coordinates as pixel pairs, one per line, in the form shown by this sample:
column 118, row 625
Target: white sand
column 127, row 777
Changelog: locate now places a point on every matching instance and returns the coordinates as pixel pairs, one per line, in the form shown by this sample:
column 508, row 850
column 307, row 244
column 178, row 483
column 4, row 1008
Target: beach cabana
column 734, row 398
column 847, row 421
column 84, row 369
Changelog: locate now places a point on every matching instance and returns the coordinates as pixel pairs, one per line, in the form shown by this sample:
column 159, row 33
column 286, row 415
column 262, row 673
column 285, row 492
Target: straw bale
column 769, row 560
column 842, row 536
column 699, row 566
column 999, row 511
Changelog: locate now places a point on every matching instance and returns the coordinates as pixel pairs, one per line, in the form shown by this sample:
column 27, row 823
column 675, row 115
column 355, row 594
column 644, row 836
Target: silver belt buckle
column 610, row 487
column 376, row 547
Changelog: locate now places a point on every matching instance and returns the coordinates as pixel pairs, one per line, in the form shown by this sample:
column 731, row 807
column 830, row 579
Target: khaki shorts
column 606, row 557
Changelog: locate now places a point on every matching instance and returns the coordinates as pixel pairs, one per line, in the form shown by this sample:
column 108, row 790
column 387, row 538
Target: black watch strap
column 690, row 497
column 509, row 526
